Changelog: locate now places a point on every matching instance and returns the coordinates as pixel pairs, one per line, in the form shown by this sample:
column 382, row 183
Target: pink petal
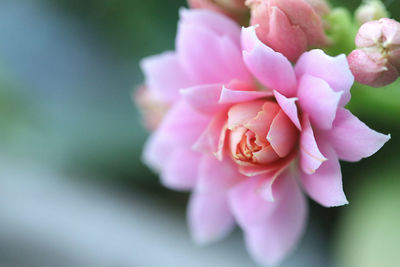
column 234, row 96
column 249, row 38
column 266, row 155
column 310, row 155
column 318, row 100
column 325, row 185
column 217, row 23
column 165, row 76
column 247, row 204
column 156, row 150
column 204, row 98
column 183, row 124
column 352, row 139
column 282, row 134
column 217, row 176
column 181, row 169
column 206, row 55
column 334, row 70
column 213, row 136
column 272, row 69
column 241, row 113
column 272, row 169
column 260, row 124
column 209, row 217
column 270, row 241
column 254, row 170
column 288, row 105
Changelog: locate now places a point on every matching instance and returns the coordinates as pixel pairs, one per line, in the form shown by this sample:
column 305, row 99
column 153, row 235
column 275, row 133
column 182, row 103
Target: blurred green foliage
column 134, row 28
column 370, row 232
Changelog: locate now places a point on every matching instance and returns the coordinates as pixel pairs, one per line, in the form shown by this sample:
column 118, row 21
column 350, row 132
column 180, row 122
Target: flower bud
column 235, row 9
column 289, row 26
column 371, row 10
column 376, row 61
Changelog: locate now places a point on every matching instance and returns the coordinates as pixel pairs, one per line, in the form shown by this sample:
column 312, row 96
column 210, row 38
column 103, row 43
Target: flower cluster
column 248, row 131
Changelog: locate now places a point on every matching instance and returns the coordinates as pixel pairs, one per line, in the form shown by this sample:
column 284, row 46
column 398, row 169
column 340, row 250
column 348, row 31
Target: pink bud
column 376, row 62
column 289, row 26
column 235, row 9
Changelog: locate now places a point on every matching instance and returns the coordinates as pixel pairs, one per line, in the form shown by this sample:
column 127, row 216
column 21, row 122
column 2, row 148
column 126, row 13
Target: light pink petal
column 204, row 98
column 272, row 170
column 249, row 38
column 217, row 176
column 288, row 105
column 217, row 23
column 318, row 100
column 310, row 155
column 325, row 185
column 352, row 139
column 206, row 55
column 271, row 68
column 165, row 75
column 183, row 125
column 334, row 70
column 260, row 124
column 241, row 113
column 251, row 170
column 247, row 204
column 266, row 155
column 234, row 96
column 271, row 241
column 209, row 216
column 156, row 150
column 181, row 169
column 233, row 60
column 239, row 85
column 213, row 136
column 282, row 135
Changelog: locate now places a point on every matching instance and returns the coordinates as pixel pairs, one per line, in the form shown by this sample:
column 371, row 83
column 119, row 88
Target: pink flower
column 245, row 128
column 289, row 26
column 376, row 61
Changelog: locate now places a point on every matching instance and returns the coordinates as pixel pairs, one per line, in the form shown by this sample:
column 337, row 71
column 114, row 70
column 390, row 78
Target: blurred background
column 73, row 190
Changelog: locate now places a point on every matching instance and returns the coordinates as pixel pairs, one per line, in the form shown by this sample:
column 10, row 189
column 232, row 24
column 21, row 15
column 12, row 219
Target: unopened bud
column 376, row 61
column 289, row 26
column 371, row 10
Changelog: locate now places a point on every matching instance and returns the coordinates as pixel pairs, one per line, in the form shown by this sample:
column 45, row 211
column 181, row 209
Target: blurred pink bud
column 289, row 26
column 376, row 61
column 235, row 9
column 152, row 108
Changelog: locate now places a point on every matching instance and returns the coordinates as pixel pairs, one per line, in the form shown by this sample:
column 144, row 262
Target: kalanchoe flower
column 370, row 10
column 245, row 127
column 235, row 9
column 289, row 26
column 376, row 61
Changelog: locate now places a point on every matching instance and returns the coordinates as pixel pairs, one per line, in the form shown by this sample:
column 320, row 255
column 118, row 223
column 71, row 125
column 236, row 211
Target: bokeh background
column 73, row 191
